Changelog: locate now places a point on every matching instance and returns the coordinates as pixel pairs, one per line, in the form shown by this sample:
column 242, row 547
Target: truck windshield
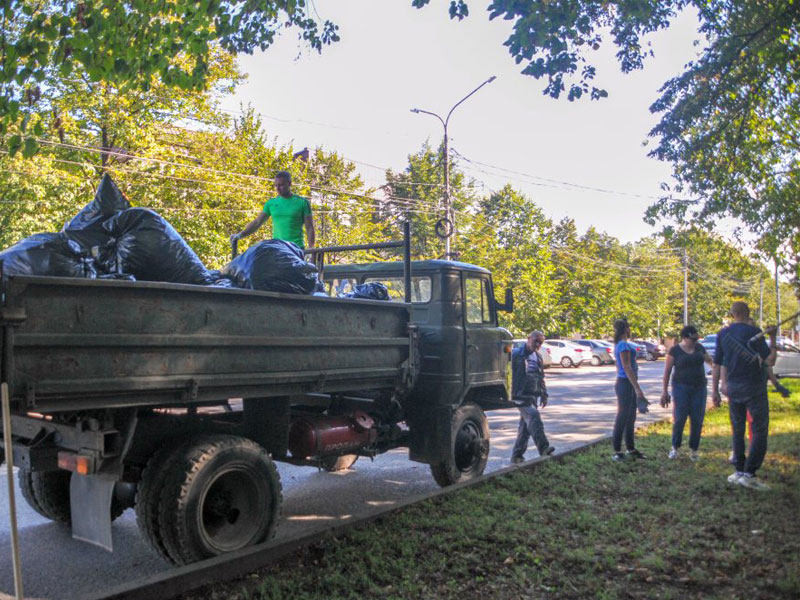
column 420, row 288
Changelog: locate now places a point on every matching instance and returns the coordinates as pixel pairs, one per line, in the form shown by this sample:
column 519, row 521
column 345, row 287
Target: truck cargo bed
column 78, row 344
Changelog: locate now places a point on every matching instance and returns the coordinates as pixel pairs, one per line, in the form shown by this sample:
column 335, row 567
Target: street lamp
column 447, row 205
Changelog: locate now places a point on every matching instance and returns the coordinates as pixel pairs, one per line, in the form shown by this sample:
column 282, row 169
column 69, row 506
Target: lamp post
column 447, row 204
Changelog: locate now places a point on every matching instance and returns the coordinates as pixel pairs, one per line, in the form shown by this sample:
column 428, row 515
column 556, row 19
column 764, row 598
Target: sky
column 355, row 98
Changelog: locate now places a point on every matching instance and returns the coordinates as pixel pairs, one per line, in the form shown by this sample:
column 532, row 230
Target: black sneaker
column 515, row 460
column 618, row 457
column 547, row 451
column 636, row 454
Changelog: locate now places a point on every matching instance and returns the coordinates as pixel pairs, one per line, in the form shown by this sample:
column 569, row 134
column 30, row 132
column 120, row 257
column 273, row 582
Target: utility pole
column 685, row 287
column 777, row 295
column 761, row 302
column 448, row 206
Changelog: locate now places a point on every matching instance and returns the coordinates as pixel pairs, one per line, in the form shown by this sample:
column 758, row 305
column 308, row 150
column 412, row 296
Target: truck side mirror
column 508, row 306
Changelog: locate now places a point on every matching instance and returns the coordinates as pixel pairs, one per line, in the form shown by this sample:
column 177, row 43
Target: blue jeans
column 758, row 405
column 688, row 401
column 530, row 425
column 626, row 415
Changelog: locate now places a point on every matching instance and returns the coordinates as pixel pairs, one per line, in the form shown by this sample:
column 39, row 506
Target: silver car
column 547, row 358
column 601, row 353
column 787, row 364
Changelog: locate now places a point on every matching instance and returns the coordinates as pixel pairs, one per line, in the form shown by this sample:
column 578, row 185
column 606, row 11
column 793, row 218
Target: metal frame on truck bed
column 176, row 399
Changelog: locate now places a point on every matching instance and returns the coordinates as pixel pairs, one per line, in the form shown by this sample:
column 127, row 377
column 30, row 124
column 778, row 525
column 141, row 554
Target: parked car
column 547, row 359
column 608, row 344
column 709, row 343
column 787, row 364
column 651, row 351
column 601, row 353
column 568, row 354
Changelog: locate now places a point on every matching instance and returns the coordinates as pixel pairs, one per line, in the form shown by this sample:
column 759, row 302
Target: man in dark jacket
column 528, row 391
column 742, row 354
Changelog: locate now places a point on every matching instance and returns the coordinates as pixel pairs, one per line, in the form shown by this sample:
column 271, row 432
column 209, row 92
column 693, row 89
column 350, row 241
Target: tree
column 730, row 122
column 417, row 195
column 510, row 236
column 126, row 43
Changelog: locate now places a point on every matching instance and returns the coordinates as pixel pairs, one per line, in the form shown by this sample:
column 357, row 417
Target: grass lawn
column 582, row 527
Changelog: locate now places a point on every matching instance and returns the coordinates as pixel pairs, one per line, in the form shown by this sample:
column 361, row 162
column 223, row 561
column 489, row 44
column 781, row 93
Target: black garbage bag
column 86, row 227
column 374, row 290
column 273, row 266
column 217, row 279
column 146, row 246
column 50, row 254
column 117, row 276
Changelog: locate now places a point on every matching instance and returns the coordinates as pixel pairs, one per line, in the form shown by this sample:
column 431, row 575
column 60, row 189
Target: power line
column 612, row 263
column 335, row 201
column 559, row 184
column 396, row 199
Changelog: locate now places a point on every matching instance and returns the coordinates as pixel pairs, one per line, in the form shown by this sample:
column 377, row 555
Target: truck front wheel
column 220, row 493
column 469, row 447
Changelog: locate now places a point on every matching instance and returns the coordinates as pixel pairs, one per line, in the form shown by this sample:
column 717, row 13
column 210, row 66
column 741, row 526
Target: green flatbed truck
column 176, row 399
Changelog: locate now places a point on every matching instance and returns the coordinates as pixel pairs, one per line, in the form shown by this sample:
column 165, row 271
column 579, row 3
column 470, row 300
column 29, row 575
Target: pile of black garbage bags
column 111, row 239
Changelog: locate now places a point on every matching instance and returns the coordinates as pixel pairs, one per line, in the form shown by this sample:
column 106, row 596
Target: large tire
column 220, row 493
column 596, row 362
column 148, row 496
column 332, row 464
column 650, row 356
column 47, row 492
column 469, row 450
column 566, row 362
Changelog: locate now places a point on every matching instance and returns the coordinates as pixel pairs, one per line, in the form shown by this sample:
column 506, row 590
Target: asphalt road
column 581, row 409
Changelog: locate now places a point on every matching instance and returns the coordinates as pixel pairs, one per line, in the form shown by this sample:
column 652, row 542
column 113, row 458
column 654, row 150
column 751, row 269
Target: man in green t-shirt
column 289, row 214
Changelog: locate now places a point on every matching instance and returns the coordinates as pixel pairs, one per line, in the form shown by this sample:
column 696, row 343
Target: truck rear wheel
column 469, row 447
column 47, row 492
column 333, row 464
column 148, row 496
column 220, row 493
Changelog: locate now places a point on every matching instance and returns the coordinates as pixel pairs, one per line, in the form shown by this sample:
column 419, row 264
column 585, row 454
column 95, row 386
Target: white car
column 568, row 354
column 788, row 362
column 547, row 359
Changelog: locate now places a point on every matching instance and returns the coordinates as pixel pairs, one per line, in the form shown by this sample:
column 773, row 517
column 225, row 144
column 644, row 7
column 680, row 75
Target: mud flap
column 90, row 508
column 431, row 435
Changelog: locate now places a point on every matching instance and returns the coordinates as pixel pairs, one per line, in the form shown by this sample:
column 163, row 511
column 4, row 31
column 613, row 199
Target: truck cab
column 464, row 353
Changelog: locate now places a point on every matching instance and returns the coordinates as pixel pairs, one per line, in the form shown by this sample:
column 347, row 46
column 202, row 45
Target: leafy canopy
column 126, row 43
column 730, row 121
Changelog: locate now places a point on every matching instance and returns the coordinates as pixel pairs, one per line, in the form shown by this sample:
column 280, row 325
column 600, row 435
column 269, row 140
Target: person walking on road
column 743, row 352
column 290, row 214
column 630, row 396
column 528, row 392
column 689, row 389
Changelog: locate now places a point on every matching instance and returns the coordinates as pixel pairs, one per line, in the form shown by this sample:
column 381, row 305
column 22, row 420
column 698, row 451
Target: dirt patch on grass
column 581, row 527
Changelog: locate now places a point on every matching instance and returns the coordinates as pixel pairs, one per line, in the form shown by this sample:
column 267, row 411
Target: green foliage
column 509, row 235
column 128, row 43
column 731, row 126
column 175, row 151
column 730, row 122
column 417, row 195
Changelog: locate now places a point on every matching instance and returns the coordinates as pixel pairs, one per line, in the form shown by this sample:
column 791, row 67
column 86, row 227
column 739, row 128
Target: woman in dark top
column 689, row 389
